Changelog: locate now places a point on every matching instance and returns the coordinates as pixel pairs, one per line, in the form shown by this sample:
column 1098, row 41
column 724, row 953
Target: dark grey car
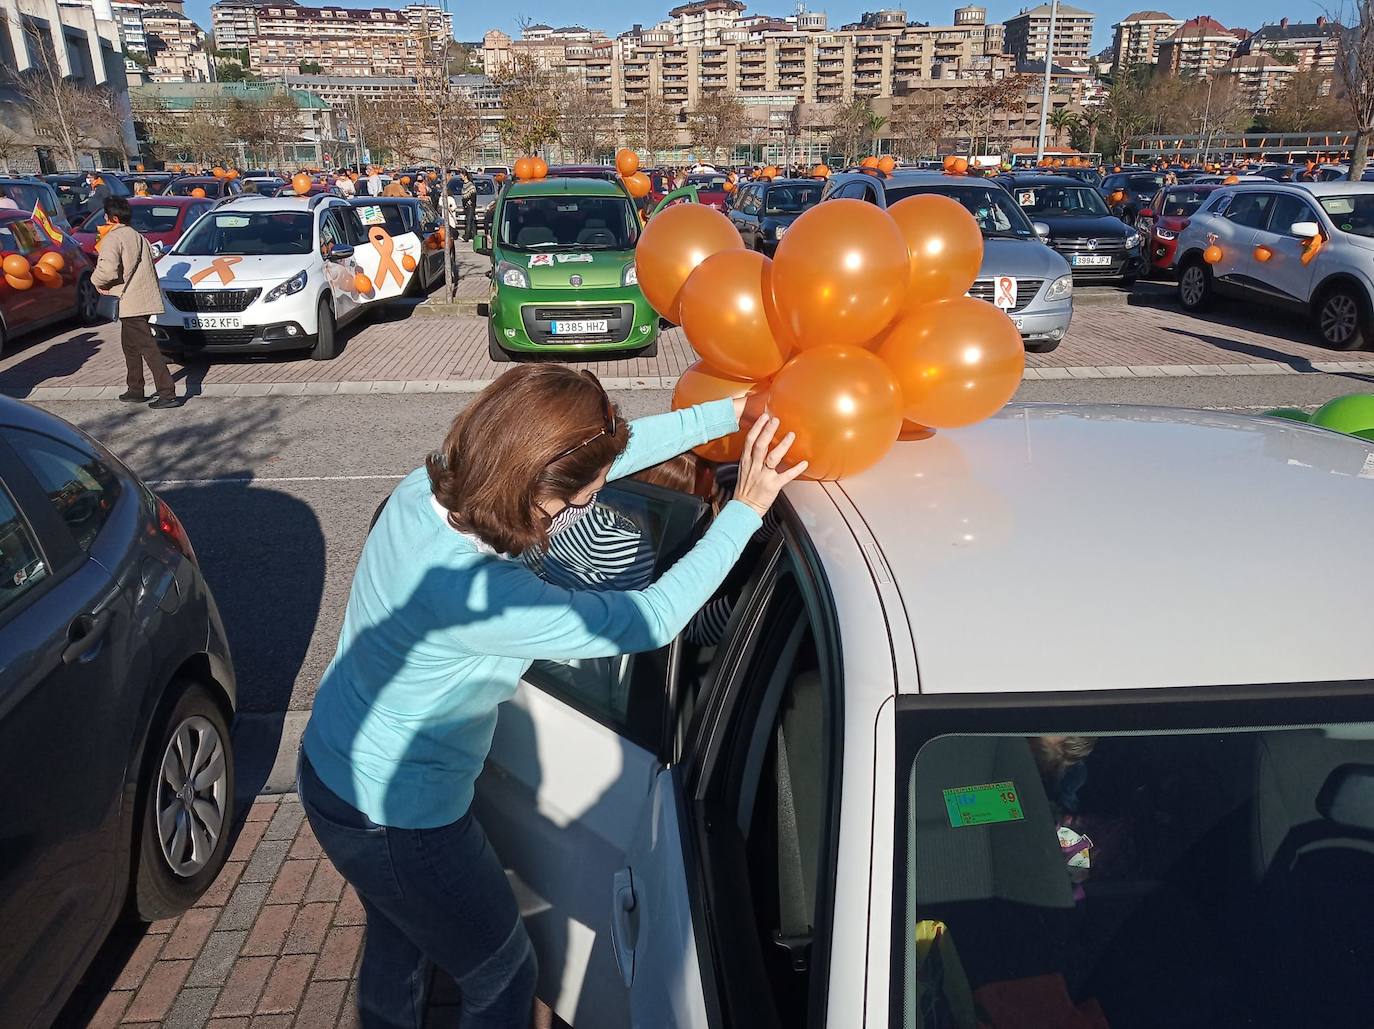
column 762, row 211
column 116, row 697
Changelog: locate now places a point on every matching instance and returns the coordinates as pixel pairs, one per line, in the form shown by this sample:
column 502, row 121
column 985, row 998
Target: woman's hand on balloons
column 760, row 474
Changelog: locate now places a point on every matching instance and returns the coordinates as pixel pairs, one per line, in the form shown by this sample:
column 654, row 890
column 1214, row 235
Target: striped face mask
column 570, row 514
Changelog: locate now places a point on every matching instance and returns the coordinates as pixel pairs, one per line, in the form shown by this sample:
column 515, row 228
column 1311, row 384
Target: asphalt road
column 276, row 494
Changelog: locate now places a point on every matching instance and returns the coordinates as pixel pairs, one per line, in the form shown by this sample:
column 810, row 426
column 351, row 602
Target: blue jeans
column 432, row 897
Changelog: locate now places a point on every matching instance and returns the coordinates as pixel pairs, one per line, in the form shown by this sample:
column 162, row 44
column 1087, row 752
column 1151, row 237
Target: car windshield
column 563, row 222
column 26, row 195
column 1101, row 865
column 485, row 187
column 1353, row 213
column 1182, row 203
column 1143, row 183
column 791, row 199
column 144, row 217
column 183, row 187
column 1058, row 201
column 710, row 183
column 245, row 233
column 997, row 214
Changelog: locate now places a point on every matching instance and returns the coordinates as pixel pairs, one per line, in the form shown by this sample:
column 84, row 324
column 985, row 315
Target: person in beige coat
column 127, row 269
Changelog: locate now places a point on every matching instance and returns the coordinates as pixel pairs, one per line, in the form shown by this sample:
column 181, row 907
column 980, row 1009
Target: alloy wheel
column 1340, row 316
column 1192, row 286
column 86, row 301
column 192, row 791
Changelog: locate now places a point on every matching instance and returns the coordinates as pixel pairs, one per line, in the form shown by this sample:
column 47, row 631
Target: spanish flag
column 45, row 223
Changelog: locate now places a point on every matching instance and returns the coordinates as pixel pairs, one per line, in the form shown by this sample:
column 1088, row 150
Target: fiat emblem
column 575, row 280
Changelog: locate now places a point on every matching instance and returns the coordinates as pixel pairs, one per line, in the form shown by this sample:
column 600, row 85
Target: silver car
column 1020, row 274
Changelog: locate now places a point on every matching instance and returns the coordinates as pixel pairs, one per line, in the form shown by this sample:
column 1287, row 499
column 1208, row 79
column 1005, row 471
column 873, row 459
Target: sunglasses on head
column 607, row 413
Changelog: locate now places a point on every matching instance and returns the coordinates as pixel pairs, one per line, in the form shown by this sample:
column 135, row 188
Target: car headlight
column 1132, row 240
column 1165, row 233
column 292, row 285
column 510, row 275
column 630, row 276
column 1060, row 288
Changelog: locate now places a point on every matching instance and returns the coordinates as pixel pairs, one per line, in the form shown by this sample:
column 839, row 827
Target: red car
column 660, row 185
column 40, row 297
column 710, row 189
column 161, row 220
column 1166, row 217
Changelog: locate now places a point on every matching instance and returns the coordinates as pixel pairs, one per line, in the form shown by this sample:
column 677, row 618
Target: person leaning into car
column 127, row 269
column 442, row 621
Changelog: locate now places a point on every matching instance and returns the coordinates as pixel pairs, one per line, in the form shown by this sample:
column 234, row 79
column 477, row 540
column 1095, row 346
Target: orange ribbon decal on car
column 386, row 264
column 223, row 266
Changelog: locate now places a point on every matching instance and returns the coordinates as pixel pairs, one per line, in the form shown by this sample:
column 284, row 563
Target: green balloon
column 1350, row 414
column 1293, row 414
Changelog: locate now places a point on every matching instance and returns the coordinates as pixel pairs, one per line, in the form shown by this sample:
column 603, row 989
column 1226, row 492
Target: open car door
column 385, row 249
column 682, row 195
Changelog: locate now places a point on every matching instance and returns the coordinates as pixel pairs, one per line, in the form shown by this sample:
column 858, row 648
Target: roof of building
column 1204, row 26
column 1305, row 30
column 182, row 96
column 1043, row 11
column 1148, row 16
column 1038, row 68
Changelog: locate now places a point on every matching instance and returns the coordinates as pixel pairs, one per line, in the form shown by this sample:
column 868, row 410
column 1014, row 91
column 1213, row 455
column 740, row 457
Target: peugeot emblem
column 575, row 280
column 210, row 300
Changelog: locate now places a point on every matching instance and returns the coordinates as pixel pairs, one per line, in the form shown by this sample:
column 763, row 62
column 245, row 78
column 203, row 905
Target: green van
column 563, row 278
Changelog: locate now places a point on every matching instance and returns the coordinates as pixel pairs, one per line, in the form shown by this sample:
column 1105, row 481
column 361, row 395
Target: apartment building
column 1028, row 35
column 428, row 20
column 176, row 47
column 340, row 40
column 1137, row 36
column 235, row 22
column 1199, row 46
column 1310, row 46
column 1261, row 78
column 546, row 46
column 703, row 22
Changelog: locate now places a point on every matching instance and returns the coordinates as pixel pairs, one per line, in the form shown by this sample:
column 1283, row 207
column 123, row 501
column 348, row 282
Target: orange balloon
column 1230, row 180
column 844, row 405
column 198, row 192
column 538, row 168
column 1263, row 253
column 725, row 317
column 638, row 185
column 47, row 275
column 626, row 161
column 701, row 383
column 138, row 167
column 53, row 260
column 408, row 262
column 820, row 172
column 770, row 172
column 960, row 166
column 840, row 273
column 300, row 182
column 1212, row 254
column 232, row 173
column 405, row 180
column 886, row 164
column 15, row 265
column 217, row 172
column 675, row 241
column 361, row 283
column 524, row 168
column 1118, row 196
column 957, row 361
column 728, row 185
column 945, row 244
column 869, row 162
column 19, row 281
column 949, row 162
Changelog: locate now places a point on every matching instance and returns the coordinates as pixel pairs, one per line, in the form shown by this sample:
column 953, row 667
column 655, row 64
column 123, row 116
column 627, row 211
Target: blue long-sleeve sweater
column 438, row 631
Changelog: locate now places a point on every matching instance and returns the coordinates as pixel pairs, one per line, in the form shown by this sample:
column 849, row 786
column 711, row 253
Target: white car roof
column 1116, row 547
column 250, row 203
column 1335, row 187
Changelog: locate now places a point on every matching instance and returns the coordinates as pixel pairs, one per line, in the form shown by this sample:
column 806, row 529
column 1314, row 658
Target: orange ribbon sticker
column 386, row 264
column 223, row 266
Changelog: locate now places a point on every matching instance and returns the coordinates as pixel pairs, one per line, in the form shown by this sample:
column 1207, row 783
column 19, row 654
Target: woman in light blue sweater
column 441, row 624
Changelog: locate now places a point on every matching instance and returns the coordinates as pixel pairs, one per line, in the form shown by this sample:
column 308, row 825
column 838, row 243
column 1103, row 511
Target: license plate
column 1091, row 260
column 580, row 327
column 214, row 321
column 1017, row 323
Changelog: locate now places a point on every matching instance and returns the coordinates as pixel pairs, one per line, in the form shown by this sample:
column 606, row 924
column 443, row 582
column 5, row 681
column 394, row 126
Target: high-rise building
column 235, row 22
column 1137, row 37
column 1199, row 46
column 1309, row 46
column 702, row 22
column 428, row 20
column 292, row 39
column 176, row 47
column 1028, row 35
column 1260, row 78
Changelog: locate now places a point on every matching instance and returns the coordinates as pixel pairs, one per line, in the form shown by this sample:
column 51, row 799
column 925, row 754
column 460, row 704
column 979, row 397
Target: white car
column 258, row 274
column 1046, row 714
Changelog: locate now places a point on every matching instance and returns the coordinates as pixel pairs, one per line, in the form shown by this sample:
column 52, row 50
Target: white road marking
column 250, row 480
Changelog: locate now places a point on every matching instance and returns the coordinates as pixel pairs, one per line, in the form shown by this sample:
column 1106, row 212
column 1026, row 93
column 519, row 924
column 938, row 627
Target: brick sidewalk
column 273, row 944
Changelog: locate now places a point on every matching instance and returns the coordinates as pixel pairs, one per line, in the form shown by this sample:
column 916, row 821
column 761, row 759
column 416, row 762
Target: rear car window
column 388, row 216
column 81, row 486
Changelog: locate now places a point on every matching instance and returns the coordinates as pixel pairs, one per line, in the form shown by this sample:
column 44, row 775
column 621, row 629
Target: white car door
column 340, row 269
column 384, row 249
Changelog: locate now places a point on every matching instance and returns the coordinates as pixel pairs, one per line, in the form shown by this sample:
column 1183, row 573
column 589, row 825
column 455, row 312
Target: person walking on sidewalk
column 469, row 206
column 442, row 621
column 127, row 269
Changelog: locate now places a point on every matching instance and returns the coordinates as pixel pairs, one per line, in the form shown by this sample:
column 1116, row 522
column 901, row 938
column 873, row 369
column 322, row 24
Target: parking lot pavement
column 1114, row 334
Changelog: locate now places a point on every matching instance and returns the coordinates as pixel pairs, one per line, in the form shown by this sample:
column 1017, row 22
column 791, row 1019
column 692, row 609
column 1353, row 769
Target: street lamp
column 1045, row 91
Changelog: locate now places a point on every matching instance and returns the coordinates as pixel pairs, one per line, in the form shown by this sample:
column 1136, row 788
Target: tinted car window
column 145, row 218
column 1250, row 209
column 21, row 564
column 1354, row 214
column 81, row 486
column 1287, row 211
column 388, row 216
column 992, row 206
column 277, row 232
column 567, row 222
column 791, row 199
column 1181, row 203
column 26, row 236
column 29, row 194
column 1071, row 201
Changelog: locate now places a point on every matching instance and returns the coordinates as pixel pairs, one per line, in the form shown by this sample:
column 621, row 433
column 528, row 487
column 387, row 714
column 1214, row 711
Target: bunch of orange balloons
column 956, row 165
column 21, row 275
column 527, row 169
column 858, row 329
column 627, row 164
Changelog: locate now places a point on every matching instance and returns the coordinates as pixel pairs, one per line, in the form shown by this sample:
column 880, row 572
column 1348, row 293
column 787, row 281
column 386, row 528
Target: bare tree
column 849, row 128
column 12, row 144
column 917, row 123
column 461, row 129
column 584, row 124
column 529, row 102
column 716, row 123
column 1355, row 73
column 651, row 125
column 1305, row 104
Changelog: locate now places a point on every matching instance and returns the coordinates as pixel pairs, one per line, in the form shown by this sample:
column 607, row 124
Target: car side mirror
column 1146, row 212
column 481, row 244
column 1042, row 230
column 1307, row 230
column 340, row 252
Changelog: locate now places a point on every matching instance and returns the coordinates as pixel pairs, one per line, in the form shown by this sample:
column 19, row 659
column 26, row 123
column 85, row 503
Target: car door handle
column 624, row 924
column 85, row 636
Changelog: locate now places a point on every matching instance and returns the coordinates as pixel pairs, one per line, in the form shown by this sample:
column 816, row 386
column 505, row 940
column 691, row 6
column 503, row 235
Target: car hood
column 177, row 270
column 554, row 270
column 1082, row 228
column 1023, row 258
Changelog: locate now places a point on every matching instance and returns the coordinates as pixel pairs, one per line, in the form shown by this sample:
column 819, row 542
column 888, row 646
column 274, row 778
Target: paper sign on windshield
column 231, row 221
column 983, row 805
column 573, row 258
column 371, row 215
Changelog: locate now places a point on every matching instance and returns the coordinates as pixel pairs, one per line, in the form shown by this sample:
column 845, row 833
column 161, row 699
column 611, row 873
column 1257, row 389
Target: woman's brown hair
column 539, row 432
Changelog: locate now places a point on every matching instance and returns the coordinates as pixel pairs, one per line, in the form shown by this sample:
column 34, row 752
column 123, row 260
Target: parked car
column 1097, row 244
column 317, row 189
column 1089, row 175
column 156, row 182
column 28, row 310
column 806, row 823
column 215, row 189
column 162, row 220
column 1317, row 257
column 584, row 171
column 264, row 185
column 660, row 184
column 1137, row 190
column 1278, row 172
column 409, row 222
column 762, row 211
column 1020, row 274
column 1167, row 216
column 29, row 193
column 118, row 696
column 74, row 194
column 259, row 274
column 563, row 274
column 1218, row 179
column 497, row 169
column 487, row 190
column 710, row 189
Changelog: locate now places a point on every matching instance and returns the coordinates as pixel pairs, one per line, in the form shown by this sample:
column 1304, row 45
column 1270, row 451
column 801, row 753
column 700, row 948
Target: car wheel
column 187, row 809
column 494, row 349
column 87, row 301
column 1042, row 346
column 1195, row 286
column 323, row 349
column 1342, row 322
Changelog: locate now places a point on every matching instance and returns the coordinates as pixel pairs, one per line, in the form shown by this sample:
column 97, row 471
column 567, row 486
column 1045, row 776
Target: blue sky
column 472, row 20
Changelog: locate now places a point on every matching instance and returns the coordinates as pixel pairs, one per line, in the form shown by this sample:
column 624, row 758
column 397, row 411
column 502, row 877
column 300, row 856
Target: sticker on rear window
column 371, row 214
column 983, row 805
column 231, row 221
column 573, row 258
column 1026, row 198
